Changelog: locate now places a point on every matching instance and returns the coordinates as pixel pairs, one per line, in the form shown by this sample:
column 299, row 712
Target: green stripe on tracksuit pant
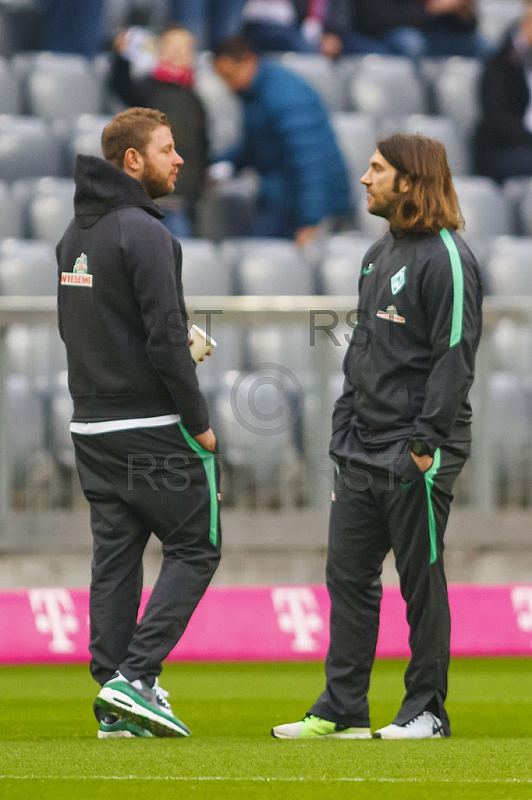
column 137, row 482
column 368, row 518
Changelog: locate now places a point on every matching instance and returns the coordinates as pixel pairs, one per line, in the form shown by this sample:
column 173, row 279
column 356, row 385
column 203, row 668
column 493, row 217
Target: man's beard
column 385, row 210
column 155, row 184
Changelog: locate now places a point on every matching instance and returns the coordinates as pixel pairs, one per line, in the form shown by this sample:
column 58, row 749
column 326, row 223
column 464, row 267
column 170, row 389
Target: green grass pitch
column 49, row 749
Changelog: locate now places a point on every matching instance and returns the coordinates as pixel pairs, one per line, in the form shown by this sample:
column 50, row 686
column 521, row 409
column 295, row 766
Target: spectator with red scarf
column 170, row 88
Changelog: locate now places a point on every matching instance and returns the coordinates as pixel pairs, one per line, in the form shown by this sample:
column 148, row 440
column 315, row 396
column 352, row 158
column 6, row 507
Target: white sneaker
column 424, row 726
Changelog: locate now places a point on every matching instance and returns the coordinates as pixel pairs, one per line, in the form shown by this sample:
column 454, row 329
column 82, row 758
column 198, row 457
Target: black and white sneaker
column 423, row 726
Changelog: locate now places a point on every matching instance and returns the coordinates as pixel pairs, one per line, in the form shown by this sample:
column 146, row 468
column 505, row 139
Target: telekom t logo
column 522, row 603
column 298, row 612
column 55, row 615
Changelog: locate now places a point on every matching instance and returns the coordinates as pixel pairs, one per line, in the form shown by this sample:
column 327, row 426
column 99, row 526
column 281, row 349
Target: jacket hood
column 101, row 187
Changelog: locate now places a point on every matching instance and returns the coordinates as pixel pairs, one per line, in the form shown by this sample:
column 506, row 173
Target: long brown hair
column 431, row 203
column 130, row 128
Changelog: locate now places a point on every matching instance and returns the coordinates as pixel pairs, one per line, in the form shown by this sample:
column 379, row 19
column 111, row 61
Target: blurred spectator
column 288, row 139
column 170, row 88
column 303, row 26
column 414, row 28
column 209, row 20
column 503, row 140
column 73, row 26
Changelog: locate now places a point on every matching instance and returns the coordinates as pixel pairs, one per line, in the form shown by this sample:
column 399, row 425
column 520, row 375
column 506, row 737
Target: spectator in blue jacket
column 288, row 139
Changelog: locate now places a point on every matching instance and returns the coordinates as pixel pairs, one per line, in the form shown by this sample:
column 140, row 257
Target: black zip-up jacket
column 410, row 362
column 124, row 320
column 504, row 97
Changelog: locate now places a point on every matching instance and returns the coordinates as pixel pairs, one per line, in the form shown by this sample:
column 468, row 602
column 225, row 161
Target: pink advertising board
column 264, row 623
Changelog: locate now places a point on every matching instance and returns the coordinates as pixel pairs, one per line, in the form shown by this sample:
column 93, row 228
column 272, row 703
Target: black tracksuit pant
column 137, row 482
column 367, row 519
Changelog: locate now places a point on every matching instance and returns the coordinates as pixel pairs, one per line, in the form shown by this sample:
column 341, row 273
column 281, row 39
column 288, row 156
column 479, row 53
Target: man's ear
column 133, row 161
column 405, row 184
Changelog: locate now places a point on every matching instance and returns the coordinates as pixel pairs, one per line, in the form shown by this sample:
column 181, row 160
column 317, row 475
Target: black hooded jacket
column 121, row 308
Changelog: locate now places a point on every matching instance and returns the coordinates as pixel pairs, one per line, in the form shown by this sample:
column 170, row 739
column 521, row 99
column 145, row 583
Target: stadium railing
column 315, row 313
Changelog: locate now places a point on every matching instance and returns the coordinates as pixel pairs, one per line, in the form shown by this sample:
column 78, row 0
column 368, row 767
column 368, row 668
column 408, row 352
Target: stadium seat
column 512, row 347
column 356, row 135
column 340, row 267
column 456, row 90
column 25, row 430
column 204, row 273
column 61, row 86
column 227, row 209
column 86, row 136
column 10, row 99
column 514, row 190
column 27, row 148
column 319, row 72
column 524, row 210
column 287, row 346
column 495, row 17
column 255, row 420
column 60, row 415
column 483, row 206
column 10, row 213
column 509, row 266
column 47, row 206
column 510, row 433
column 27, row 268
column 37, row 352
column 386, row 86
column 267, row 267
column 441, row 128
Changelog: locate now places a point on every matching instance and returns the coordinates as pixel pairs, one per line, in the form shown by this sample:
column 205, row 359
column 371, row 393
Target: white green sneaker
column 423, row 726
column 141, row 705
column 112, row 727
column 312, row 727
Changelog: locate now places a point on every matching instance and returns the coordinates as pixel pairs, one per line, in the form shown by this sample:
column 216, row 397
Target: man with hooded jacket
column 140, row 426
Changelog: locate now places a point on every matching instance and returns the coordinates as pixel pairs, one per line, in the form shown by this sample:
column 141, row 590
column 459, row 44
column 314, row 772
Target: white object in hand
column 201, row 342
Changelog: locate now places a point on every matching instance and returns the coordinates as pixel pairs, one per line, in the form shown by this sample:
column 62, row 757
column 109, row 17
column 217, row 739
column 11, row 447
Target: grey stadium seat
column 25, row 430
column 509, row 266
column 48, row 206
column 386, row 85
column 10, row 213
column 10, row 98
column 319, row 72
column 27, row 148
column 62, row 87
column 484, row 207
column 340, row 268
column 356, row 135
column 435, row 127
column 255, row 422
column 525, row 209
column 204, row 272
column 268, row 267
column 495, row 17
column 456, row 90
column 86, row 136
column 27, row 268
